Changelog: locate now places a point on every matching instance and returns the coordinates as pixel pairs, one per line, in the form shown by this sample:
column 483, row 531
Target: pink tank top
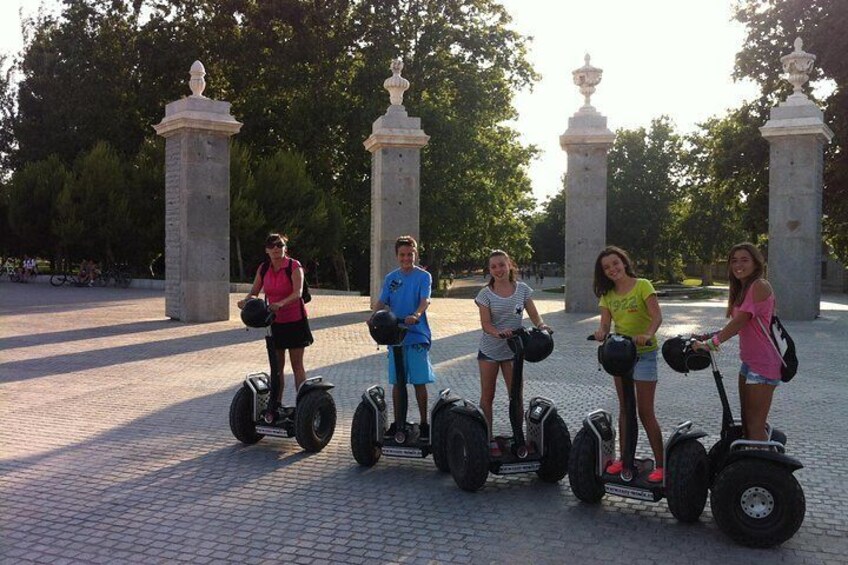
column 278, row 285
column 755, row 349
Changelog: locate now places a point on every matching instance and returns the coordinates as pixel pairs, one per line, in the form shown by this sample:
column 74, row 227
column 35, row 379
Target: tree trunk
column 239, row 259
column 341, row 270
column 434, row 267
column 706, row 274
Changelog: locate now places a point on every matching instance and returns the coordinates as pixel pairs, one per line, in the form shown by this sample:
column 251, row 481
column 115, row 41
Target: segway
column 686, row 479
column 253, row 415
column 544, row 450
column 755, row 497
column 369, row 436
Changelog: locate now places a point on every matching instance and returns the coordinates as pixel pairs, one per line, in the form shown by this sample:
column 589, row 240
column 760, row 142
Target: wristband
column 713, row 343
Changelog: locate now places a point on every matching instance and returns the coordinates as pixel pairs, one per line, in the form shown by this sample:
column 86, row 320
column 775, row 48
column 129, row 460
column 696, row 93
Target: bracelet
column 713, row 343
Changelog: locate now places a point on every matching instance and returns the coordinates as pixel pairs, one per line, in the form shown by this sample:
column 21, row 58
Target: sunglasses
column 278, row 245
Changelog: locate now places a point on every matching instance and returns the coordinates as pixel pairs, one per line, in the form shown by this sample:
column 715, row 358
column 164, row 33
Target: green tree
column 772, row 28
column 548, row 236
column 726, row 190
column 305, row 78
column 292, row 205
column 93, row 208
column 145, row 192
column 80, row 78
column 7, row 113
column 33, row 192
column 246, row 219
column 644, row 184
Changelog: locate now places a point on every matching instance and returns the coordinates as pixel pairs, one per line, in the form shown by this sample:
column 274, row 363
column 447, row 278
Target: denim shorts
column 419, row 370
column 752, row 378
column 646, row 367
column 483, row 357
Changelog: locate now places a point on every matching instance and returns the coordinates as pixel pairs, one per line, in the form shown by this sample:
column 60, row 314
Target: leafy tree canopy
column 772, row 27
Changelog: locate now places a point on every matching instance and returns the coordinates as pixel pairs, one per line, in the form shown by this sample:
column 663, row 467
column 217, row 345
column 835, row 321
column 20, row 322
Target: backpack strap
column 289, row 273
column 771, row 340
column 263, row 270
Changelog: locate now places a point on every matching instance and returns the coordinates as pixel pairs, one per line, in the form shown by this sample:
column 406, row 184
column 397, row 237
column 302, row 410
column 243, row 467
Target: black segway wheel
column 241, row 417
column 557, row 449
column 55, row 280
column 687, row 480
column 468, row 452
column 582, row 464
column 363, row 433
column 757, row 503
column 442, row 421
column 315, row 420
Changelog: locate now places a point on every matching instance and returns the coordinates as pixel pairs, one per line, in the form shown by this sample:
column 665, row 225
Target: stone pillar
column 197, row 134
column 395, row 144
column 586, row 141
column 797, row 135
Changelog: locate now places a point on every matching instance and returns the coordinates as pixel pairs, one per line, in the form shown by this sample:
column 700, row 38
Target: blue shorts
column 416, row 360
column 646, row 367
column 752, row 378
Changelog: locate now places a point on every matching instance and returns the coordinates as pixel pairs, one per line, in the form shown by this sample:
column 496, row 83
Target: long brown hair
column 512, row 269
column 739, row 288
column 602, row 283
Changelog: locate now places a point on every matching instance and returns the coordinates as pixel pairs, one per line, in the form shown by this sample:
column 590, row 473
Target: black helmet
column 680, row 356
column 538, row 344
column 384, row 328
column 256, row 314
column 617, row 355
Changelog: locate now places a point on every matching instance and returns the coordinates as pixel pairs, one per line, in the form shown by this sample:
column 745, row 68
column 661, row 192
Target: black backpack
column 783, row 345
column 305, row 295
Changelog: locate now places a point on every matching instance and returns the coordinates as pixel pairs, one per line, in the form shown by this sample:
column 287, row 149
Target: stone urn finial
column 587, row 78
column 197, row 83
column 396, row 84
column 797, row 66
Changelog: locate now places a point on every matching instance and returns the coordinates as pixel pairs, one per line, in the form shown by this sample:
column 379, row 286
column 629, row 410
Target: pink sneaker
column 657, row 475
column 615, row 467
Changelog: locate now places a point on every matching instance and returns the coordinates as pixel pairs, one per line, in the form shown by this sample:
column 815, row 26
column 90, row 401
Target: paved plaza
column 115, row 445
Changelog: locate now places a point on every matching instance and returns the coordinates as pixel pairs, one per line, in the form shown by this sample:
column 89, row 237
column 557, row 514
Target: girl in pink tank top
column 751, row 300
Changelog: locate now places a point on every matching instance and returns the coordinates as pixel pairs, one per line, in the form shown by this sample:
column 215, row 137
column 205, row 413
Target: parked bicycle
column 11, row 271
column 59, row 279
column 117, row 275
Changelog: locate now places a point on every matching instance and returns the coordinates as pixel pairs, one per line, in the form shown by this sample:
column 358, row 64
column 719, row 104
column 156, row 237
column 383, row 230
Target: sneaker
column 656, row 476
column 494, row 449
column 424, row 431
column 392, row 430
column 615, row 467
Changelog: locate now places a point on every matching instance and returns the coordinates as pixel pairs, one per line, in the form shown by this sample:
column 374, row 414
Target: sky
column 672, row 57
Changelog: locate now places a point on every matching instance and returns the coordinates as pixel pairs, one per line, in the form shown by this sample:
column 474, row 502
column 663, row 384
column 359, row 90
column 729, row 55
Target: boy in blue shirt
column 406, row 292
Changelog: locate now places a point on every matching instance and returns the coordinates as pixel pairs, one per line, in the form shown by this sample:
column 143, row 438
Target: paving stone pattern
column 116, row 446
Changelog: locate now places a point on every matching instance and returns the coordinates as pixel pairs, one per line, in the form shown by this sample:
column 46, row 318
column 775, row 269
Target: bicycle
column 12, row 272
column 59, row 279
column 116, row 274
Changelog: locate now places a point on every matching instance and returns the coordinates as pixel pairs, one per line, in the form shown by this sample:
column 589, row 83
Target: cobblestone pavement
column 116, row 446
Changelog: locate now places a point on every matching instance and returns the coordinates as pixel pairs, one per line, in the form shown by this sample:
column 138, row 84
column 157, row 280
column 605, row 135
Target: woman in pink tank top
column 281, row 277
column 751, row 300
